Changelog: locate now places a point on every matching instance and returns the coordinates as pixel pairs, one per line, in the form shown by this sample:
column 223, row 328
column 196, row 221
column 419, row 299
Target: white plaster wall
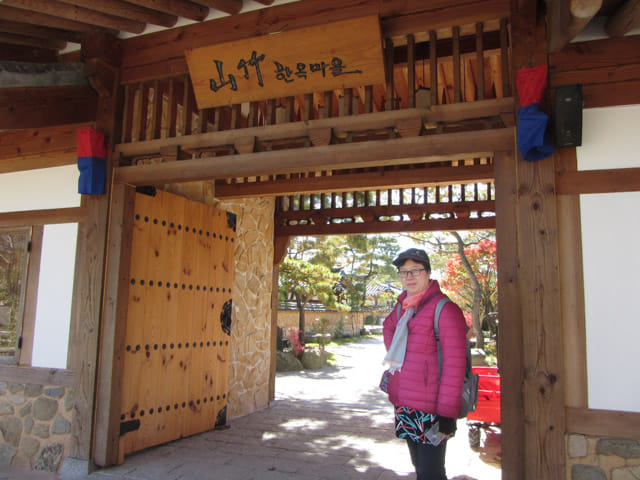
column 610, row 230
column 45, row 189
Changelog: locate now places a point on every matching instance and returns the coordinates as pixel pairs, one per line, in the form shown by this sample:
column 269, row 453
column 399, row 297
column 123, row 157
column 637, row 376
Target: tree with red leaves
column 470, row 275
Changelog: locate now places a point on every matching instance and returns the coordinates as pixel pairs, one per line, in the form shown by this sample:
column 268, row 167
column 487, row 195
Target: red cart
column 487, row 412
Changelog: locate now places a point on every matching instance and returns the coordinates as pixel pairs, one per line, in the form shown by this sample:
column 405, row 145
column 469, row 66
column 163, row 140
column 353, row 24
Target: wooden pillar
column 538, row 280
column 510, row 326
column 280, row 245
column 102, row 53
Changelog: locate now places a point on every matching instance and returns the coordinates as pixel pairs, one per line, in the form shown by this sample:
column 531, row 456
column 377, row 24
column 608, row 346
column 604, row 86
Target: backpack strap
column 436, row 329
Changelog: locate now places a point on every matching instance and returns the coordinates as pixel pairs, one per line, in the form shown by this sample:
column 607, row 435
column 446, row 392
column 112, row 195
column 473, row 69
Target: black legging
column 428, row 460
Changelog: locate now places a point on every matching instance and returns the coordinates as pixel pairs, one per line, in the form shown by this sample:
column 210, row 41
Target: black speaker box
column 567, row 116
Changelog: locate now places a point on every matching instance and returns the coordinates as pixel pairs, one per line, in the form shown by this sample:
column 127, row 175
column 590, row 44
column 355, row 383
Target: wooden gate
column 178, row 320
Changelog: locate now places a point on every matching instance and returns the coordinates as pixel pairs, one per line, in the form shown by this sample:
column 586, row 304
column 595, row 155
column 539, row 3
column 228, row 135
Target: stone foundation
column 35, row 425
column 599, row 458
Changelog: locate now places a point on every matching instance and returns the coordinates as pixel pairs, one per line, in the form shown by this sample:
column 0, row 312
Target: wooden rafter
column 32, row 17
column 227, row 6
column 566, row 18
column 77, row 14
column 124, row 9
column 624, row 19
column 39, row 32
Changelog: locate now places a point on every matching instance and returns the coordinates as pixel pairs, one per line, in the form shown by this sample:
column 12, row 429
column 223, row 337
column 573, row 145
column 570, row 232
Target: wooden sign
column 313, row 59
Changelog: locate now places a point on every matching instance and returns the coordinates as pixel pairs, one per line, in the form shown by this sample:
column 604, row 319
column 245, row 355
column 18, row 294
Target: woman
column 421, row 399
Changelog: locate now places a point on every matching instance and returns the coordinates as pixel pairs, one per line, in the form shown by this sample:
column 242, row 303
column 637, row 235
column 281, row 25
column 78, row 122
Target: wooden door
column 176, row 338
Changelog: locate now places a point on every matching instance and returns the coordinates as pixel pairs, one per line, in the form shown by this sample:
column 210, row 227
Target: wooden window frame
column 36, row 220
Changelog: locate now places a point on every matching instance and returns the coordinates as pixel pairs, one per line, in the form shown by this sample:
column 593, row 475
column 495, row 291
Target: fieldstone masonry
column 251, row 328
column 596, row 458
column 35, row 425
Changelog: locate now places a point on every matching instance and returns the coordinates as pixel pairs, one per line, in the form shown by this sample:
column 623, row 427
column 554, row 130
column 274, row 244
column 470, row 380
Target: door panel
column 176, row 352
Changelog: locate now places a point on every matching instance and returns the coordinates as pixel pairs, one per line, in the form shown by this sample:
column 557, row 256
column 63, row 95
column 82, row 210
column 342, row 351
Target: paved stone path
column 329, row 424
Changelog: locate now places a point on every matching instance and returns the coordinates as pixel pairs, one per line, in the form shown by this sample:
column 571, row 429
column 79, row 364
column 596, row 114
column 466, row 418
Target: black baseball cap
column 415, row 254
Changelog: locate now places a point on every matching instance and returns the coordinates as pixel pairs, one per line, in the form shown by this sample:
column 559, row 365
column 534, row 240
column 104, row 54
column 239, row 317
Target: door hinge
column 29, row 246
column 20, row 342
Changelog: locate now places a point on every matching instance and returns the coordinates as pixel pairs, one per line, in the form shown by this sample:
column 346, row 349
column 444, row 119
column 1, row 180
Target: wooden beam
column 113, row 328
column 357, row 228
column 84, row 329
column 77, row 14
column 608, row 70
column 31, row 295
column 423, row 149
column 42, row 19
column 445, row 17
column 179, row 8
column 572, row 287
column 603, row 423
column 35, row 375
column 37, row 107
column 566, row 18
column 582, row 58
column 539, row 427
column 360, row 181
column 510, row 359
column 624, row 19
column 413, row 211
column 599, row 181
column 613, row 94
column 17, row 144
column 120, row 8
column 39, row 31
column 29, row 41
column 227, row 6
column 43, row 217
column 19, row 53
column 344, row 125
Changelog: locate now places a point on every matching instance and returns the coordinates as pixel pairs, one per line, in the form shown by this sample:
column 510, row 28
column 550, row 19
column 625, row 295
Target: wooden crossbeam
column 360, row 181
column 416, row 210
column 424, row 149
column 36, row 107
column 43, row 217
column 624, row 19
column 566, row 18
column 598, row 181
column 433, row 225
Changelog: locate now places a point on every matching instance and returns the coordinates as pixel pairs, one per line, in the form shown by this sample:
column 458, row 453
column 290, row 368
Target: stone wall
column 35, row 425
column 601, row 458
column 251, row 328
column 352, row 322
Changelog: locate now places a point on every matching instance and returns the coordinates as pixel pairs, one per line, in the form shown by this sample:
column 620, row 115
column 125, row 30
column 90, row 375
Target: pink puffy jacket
column 416, row 385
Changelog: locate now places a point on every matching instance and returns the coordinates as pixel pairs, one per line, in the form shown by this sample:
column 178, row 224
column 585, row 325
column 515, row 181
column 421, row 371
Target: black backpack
column 470, row 386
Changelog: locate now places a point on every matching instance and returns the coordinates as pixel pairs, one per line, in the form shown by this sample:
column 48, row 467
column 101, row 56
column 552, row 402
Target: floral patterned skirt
column 413, row 424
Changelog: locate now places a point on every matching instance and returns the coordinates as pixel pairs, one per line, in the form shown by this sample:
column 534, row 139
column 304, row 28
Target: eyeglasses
column 410, row 273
